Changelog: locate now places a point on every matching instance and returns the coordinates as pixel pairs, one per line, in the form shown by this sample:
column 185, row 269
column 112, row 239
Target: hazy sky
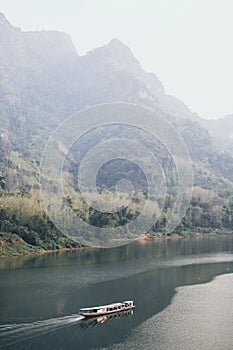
column 188, row 44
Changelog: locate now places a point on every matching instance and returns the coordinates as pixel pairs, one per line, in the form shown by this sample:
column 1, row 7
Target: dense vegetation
column 24, row 225
column 42, row 81
column 21, row 214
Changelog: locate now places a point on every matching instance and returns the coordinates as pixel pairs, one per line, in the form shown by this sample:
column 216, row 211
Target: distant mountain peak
column 116, row 54
column 3, row 18
column 117, row 43
column 4, row 21
column 116, row 59
column 115, row 51
column 118, row 47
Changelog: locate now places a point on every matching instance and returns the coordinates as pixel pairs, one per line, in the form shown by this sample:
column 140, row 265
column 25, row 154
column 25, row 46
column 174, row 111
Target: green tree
column 2, row 182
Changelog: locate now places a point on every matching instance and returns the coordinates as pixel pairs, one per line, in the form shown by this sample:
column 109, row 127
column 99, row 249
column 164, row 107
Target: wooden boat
column 107, row 309
column 94, row 321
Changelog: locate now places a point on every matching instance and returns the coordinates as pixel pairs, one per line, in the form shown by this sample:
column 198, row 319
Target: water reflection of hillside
column 133, row 251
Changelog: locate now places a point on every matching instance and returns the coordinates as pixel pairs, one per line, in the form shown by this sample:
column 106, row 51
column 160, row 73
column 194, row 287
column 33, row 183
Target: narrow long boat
column 107, row 309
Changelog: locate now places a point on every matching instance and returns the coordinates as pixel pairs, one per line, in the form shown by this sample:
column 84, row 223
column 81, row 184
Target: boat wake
column 12, row 333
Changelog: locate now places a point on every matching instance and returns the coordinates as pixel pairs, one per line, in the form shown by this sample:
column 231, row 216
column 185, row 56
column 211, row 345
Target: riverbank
column 17, row 247
column 149, row 237
column 198, row 233
column 41, row 252
column 12, row 245
column 25, row 249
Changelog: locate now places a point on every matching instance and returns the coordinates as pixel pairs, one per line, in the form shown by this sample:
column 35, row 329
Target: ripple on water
column 199, row 317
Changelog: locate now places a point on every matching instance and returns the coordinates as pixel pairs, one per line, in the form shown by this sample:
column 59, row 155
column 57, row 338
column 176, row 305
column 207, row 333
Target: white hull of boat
column 107, row 309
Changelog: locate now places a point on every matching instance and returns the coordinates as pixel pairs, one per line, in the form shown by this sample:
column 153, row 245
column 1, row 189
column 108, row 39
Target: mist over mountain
column 221, row 130
column 43, row 80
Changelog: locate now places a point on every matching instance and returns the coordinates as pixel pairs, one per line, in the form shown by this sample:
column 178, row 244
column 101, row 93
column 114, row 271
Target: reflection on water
column 93, row 321
column 37, row 293
column 130, row 252
column 199, row 317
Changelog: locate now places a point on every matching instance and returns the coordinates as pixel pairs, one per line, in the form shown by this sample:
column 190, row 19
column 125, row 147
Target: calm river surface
column 183, row 290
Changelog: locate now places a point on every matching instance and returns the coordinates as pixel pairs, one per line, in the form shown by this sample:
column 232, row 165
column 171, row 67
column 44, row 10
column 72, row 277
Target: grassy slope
column 12, row 244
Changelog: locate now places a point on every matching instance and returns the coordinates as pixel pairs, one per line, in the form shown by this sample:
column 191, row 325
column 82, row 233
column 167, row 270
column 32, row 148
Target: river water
column 182, row 290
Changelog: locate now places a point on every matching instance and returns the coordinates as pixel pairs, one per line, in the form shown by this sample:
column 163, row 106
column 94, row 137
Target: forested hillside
column 43, row 81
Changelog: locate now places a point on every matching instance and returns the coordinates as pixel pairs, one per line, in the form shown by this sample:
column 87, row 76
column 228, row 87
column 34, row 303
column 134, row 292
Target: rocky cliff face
column 42, row 72
column 43, row 80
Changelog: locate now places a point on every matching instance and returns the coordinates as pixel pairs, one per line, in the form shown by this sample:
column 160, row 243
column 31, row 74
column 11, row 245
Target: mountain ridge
column 43, row 80
column 41, row 89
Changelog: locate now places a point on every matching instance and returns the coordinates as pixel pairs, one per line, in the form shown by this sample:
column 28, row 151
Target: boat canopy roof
column 128, row 301
column 103, row 306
